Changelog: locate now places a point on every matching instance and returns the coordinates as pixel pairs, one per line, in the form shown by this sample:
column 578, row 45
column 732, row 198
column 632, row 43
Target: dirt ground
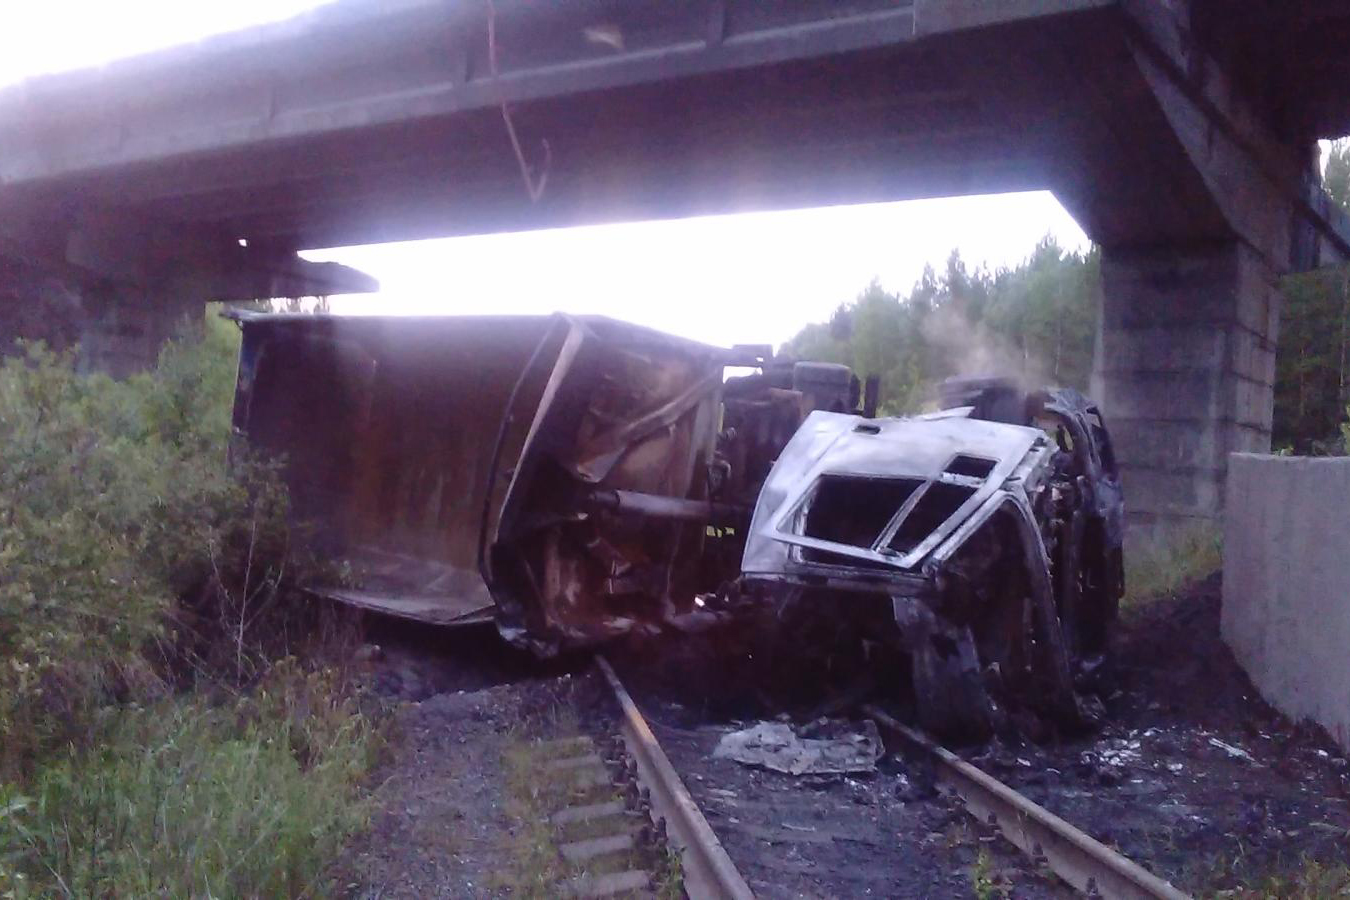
column 448, row 815
column 888, row 834
column 440, row 827
column 1193, row 776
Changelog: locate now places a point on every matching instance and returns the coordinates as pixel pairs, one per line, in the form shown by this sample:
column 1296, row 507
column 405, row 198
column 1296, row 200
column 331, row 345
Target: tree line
column 1037, row 321
column 1312, row 363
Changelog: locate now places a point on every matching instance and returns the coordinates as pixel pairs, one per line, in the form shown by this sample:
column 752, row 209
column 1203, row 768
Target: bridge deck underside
column 401, row 133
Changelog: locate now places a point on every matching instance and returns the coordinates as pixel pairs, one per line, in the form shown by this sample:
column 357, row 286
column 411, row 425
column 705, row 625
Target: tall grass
column 191, row 799
column 150, row 744
column 1159, row 566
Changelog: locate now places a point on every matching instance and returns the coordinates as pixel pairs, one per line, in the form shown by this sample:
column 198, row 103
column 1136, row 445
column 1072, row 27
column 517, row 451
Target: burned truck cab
column 992, row 528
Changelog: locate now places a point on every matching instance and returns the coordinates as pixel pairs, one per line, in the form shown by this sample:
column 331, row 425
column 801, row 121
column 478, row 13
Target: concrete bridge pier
column 116, row 290
column 125, row 328
column 1203, row 195
column 1186, row 372
column 114, row 328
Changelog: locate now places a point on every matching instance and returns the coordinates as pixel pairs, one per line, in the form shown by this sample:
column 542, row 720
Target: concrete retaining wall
column 1286, row 583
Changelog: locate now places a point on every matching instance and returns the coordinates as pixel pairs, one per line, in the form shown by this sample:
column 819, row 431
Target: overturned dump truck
column 567, row 478
column 573, row 479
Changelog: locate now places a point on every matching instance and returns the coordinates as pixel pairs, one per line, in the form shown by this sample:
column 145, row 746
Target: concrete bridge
column 1180, row 134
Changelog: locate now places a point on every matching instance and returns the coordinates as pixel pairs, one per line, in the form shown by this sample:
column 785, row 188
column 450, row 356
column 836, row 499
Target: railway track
column 1077, row 859
column 706, row 868
column 1081, row 861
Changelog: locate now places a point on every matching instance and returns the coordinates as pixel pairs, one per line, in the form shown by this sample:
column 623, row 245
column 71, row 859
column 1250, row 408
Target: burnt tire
column 951, row 699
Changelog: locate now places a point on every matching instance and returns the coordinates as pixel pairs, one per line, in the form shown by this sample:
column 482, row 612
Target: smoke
column 960, row 349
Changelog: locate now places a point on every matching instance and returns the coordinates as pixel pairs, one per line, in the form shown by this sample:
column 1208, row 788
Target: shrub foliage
column 147, row 745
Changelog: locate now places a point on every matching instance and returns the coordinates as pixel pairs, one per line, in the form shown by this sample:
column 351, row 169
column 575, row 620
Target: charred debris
column 574, row 479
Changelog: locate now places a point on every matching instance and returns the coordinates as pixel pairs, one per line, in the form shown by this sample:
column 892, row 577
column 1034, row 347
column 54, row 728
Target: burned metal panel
column 888, row 452
column 552, row 472
column 385, row 425
column 577, row 556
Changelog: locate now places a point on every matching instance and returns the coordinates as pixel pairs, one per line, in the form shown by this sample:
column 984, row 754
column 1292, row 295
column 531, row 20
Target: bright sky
column 754, row 278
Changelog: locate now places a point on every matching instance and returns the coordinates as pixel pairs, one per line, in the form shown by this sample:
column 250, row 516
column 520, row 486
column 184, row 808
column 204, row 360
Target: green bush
column 115, row 505
column 77, row 604
column 185, row 799
column 148, row 744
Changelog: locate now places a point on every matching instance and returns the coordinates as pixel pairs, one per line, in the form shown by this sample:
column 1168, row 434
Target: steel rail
column 1080, row 860
column 707, row 870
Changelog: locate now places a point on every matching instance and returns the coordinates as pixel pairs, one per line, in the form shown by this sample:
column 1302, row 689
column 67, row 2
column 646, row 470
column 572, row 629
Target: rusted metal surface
column 624, row 409
column 381, row 424
column 992, row 529
column 667, row 507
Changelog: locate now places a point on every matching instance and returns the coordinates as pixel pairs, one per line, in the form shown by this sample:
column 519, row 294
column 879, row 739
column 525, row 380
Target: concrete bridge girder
column 364, row 123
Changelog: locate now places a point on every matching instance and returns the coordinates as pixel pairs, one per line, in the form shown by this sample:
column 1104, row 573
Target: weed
column 985, row 883
column 181, row 798
column 1313, row 881
column 538, row 867
column 535, row 793
column 149, row 745
column 669, row 876
column 1157, row 567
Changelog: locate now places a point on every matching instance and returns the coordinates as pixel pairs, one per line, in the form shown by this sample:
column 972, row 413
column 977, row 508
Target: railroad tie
column 585, row 771
column 611, row 884
column 588, row 813
column 584, row 851
column 579, row 744
column 574, row 762
column 578, row 762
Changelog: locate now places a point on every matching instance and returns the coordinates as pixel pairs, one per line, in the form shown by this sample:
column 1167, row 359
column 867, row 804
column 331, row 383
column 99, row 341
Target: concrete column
column 126, row 327
column 1185, row 373
column 117, row 329
column 1285, row 583
column 37, row 305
